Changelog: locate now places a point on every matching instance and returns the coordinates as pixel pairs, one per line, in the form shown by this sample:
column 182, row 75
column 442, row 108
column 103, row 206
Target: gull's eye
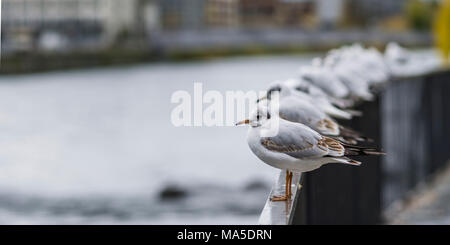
column 258, row 117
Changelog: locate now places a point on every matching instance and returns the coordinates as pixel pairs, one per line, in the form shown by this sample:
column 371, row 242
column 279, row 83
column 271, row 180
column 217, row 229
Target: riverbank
column 42, row 62
column 201, row 45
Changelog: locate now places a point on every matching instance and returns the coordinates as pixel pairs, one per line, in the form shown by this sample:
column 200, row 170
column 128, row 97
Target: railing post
column 438, row 117
column 282, row 212
column 405, row 136
column 343, row 194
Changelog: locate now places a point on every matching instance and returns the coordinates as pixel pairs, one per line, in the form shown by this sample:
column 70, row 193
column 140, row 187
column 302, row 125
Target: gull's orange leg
column 286, row 187
column 286, row 191
column 290, row 184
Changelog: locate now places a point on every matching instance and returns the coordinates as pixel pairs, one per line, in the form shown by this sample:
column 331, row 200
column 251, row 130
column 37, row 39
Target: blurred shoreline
column 201, row 45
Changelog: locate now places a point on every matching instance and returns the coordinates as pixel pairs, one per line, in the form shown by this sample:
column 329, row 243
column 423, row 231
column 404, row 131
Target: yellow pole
column 442, row 30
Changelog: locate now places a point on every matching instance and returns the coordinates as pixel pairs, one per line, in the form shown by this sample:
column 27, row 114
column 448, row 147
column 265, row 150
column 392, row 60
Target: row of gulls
column 308, row 105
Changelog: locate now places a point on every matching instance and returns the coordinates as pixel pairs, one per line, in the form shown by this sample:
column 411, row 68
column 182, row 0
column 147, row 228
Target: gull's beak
column 261, row 99
column 246, row 121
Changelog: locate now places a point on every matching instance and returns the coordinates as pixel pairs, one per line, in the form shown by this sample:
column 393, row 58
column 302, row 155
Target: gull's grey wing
column 299, row 141
column 304, row 112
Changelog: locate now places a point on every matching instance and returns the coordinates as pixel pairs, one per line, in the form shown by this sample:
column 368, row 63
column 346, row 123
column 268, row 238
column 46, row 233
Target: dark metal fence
column 411, row 121
column 416, row 119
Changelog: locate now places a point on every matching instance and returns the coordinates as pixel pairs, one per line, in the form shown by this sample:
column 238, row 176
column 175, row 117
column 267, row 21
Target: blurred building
column 257, row 13
column 370, row 11
column 277, row 13
column 222, row 13
column 182, row 14
column 66, row 24
column 150, row 15
column 59, row 24
column 330, row 13
column 296, row 13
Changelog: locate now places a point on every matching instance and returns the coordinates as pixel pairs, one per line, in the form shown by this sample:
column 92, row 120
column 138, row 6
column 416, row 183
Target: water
column 97, row 146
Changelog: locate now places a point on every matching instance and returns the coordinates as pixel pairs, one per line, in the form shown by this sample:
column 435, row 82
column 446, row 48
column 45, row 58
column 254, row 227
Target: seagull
column 375, row 65
column 366, row 63
column 304, row 85
column 346, row 72
column 321, row 103
column 296, row 147
column 394, row 53
column 295, row 109
column 324, row 78
column 402, row 62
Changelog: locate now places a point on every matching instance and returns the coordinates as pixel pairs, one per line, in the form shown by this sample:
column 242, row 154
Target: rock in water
column 172, row 193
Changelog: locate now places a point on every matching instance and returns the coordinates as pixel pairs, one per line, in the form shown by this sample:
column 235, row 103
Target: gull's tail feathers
column 346, row 160
column 367, row 96
column 352, row 134
column 352, row 150
column 337, row 113
column 342, row 103
column 345, row 140
column 354, row 113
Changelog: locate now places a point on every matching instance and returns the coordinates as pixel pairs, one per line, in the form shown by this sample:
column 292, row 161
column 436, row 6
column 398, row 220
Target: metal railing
column 410, row 119
column 281, row 213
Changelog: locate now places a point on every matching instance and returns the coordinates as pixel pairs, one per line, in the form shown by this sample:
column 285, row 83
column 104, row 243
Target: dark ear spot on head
column 303, row 89
column 268, row 115
column 271, row 90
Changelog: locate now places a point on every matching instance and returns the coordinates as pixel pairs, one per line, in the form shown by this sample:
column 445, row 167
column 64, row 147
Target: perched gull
column 295, row 109
column 396, row 55
column 402, row 62
column 368, row 64
column 350, row 76
column 324, row 78
column 296, row 147
column 321, row 103
column 375, row 65
column 308, row 87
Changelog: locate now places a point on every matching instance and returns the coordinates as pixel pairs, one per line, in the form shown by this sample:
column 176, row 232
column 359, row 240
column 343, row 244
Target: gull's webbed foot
column 279, row 198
